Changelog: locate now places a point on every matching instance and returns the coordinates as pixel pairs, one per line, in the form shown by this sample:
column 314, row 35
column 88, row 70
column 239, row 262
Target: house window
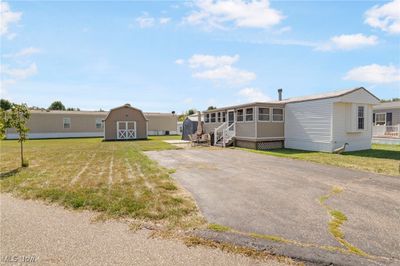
column 219, row 117
column 223, row 117
column 380, row 119
column 207, row 118
column 213, row 118
column 67, row 122
column 360, row 117
column 277, row 114
column 263, row 114
column 389, row 119
column 99, row 123
column 239, row 115
column 249, row 114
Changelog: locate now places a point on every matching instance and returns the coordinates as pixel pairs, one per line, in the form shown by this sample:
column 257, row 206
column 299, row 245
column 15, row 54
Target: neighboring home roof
column 327, row 95
column 387, row 105
column 243, row 105
column 158, row 114
column 69, row 112
column 125, row 106
column 321, row 96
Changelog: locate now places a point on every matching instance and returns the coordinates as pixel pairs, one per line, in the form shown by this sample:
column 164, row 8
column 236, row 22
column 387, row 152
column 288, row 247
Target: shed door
column 126, row 130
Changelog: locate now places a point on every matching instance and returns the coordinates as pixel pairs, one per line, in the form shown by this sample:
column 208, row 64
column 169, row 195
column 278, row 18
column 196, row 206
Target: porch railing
column 386, row 131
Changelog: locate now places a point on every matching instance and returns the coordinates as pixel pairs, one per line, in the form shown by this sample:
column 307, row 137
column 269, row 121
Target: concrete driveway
column 276, row 196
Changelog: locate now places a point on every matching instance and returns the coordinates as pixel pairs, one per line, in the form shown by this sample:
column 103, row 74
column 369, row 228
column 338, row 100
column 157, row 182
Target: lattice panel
column 269, row 145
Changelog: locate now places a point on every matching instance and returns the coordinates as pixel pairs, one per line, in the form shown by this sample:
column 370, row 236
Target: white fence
column 386, row 131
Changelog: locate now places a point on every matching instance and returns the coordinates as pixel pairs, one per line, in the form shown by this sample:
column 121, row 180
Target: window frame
column 207, row 118
column 101, row 123
column 283, row 115
column 223, row 117
column 245, row 114
column 269, row 114
column 361, row 117
column 218, row 117
column 376, row 116
column 242, row 115
column 69, row 122
column 211, row 118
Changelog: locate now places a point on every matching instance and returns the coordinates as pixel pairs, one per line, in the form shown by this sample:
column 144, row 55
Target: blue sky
column 164, row 56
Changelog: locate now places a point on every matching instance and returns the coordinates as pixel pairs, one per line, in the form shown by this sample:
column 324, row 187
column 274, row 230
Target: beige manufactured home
column 254, row 125
column 321, row 122
column 75, row 124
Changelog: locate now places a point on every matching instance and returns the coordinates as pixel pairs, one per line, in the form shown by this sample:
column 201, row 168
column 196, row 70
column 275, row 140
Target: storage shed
column 328, row 121
column 125, row 123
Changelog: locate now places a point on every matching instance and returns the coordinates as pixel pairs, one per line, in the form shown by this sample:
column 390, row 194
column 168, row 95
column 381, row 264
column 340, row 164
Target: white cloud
column 227, row 73
column 145, row 21
column 24, row 52
column 385, row 17
column 19, row 73
column 348, row 42
column 210, row 61
column 253, row 95
column 218, row 68
column 164, row 20
column 7, row 17
column 374, row 74
column 179, row 61
column 188, row 101
column 246, row 14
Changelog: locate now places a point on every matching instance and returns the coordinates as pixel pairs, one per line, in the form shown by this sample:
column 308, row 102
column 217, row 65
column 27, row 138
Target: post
column 22, row 154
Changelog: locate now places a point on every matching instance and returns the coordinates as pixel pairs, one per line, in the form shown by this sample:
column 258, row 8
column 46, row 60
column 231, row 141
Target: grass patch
column 114, row 178
column 337, row 220
column 270, row 237
column 218, row 227
column 381, row 159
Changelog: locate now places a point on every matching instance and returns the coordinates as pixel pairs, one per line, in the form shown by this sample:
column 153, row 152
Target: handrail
column 222, row 126
column 226, row 133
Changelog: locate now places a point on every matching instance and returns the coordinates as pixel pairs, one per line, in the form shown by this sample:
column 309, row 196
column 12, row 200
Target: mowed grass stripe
column 139, row 187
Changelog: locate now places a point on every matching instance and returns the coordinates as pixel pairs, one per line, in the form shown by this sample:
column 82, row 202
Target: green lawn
column 382, row 159
column 114, row 178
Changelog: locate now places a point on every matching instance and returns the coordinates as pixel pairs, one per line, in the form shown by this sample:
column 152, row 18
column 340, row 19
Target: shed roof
column 125, row 106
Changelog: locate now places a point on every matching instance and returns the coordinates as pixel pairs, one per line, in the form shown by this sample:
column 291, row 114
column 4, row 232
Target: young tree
column 57, row 105
column 5, row 104
column 17, row 119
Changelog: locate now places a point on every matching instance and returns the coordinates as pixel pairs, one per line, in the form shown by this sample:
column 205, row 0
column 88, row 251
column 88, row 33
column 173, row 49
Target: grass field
column 382, row 159
column 114, row 178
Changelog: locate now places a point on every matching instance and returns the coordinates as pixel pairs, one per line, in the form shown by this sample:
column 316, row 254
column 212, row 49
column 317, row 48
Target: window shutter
column 373, row 118
column 388, row 119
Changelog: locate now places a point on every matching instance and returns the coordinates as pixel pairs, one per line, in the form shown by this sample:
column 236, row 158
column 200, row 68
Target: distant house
column 77, row 124
column 386, row 122
column 319, row 122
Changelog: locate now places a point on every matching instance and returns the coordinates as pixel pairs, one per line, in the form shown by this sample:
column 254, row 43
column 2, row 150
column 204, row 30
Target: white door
column 126, row 130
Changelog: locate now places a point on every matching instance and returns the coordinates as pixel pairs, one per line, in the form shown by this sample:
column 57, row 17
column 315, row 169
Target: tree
column 57, row 105
column 390, row 100
column 211, row 107
column 5, row 104
column 191, row 111
column 17, row 119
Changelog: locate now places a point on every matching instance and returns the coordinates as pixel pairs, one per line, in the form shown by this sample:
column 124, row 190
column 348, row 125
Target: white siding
column 308, row 125
column 343, row 114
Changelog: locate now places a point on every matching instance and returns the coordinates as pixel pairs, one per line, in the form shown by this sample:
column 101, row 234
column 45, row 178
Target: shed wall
column 125, row 114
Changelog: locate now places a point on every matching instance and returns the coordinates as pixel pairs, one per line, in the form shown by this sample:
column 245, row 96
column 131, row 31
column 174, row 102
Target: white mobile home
column 320, row 122
column 328, row 121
